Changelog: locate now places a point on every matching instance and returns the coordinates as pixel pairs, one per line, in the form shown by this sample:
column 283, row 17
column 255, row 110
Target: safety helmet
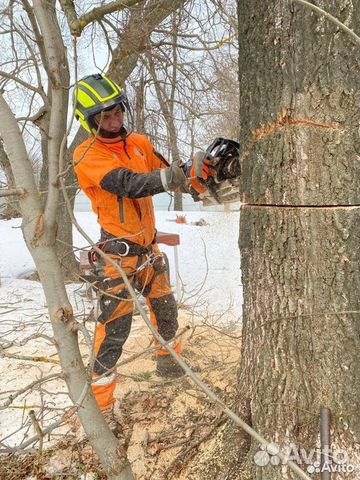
column 92, row 95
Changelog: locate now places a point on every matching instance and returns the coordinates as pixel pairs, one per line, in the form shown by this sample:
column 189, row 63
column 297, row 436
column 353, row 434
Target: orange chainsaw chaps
column 104, row 394
column 162, row 352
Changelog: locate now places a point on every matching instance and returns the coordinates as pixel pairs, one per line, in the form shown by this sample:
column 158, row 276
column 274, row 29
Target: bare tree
column 185, row 73
column 167, row 102
column 299, row 237
column 225, row 99
column 39, row 219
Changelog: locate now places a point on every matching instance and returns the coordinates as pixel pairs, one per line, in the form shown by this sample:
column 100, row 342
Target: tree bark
column 12, row 207
column 299, row 236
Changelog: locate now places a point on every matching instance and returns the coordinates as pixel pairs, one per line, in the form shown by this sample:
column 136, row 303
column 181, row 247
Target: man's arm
column 126, row 183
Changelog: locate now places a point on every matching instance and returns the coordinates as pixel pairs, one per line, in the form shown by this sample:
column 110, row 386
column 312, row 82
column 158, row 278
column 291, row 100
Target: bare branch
column 29, row 387
column 77, row 24
column 39, row 39
column 11, row 192
column 18, row 80
column 37, row 428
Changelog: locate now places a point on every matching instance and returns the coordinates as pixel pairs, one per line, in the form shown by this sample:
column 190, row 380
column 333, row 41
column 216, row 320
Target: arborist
column 120, row 171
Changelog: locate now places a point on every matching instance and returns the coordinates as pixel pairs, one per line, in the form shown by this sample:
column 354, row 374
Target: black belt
column 124, row 248
column 121, row 247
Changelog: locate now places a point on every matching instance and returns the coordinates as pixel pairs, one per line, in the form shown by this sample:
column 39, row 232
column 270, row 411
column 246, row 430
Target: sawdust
column 165, row 422
column 171, row 419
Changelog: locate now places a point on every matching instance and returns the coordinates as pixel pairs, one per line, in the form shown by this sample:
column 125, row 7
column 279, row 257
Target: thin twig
column 37, row 428
column 29, row 387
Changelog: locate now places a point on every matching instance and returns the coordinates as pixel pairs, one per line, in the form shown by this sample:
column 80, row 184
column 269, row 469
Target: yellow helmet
column 92, row 95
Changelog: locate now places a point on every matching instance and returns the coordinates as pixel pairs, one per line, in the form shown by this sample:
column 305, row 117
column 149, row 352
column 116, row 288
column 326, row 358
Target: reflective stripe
column 85, row 99
column 107, row 380
column 115, row 93
column 170, row 344
column 163, row 179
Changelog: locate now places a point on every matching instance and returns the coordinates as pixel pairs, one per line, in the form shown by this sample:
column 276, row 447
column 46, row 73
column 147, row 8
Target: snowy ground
column 209, row 250
column 210, row 273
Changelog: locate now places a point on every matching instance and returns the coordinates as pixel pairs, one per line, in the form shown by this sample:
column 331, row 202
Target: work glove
column 173, row 178
column 200, row 167
column 197, row 171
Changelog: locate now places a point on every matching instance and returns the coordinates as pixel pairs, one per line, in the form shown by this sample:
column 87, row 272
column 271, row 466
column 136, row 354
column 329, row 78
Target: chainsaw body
column 220, row 184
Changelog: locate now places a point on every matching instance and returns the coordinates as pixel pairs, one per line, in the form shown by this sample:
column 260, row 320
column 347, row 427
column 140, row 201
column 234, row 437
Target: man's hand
column 201, row 166
column 173, row 178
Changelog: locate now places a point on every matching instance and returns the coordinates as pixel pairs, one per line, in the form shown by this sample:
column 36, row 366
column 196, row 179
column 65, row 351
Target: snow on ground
column 208, row 256
column 214, row 244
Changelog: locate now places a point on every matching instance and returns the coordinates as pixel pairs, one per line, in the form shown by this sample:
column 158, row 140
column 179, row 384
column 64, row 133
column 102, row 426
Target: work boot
column 112, row 417
column 166, row 366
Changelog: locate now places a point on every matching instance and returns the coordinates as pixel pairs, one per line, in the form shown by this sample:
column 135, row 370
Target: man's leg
column 163, row 315
column 109, row 340
column 113, row 329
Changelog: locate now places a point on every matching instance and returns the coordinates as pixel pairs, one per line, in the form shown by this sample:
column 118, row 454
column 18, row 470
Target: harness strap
column 158, row 269
column 124, row 248
column 121, row 246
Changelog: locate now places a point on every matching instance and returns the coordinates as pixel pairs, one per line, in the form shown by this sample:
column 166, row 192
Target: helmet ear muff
column 83, row 122
column 85, row 125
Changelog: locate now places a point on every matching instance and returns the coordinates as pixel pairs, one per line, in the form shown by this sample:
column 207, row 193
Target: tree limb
column 12, row 191
column 77, row 24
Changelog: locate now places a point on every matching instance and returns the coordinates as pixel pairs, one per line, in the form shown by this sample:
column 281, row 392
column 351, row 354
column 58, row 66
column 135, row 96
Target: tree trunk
column 64, row 238
column 11, row 208
column 178, row 202
column 167, row 106
column 39, row 236
column 299, row 237
column 139, row 105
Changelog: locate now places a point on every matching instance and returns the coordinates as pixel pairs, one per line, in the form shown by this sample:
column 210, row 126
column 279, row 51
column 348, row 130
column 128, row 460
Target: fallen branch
column 37, row 428
column 29, row 387
column 184, row 454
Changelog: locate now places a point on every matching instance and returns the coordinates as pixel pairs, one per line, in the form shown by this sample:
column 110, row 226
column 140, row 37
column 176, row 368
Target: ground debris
column 165, row 423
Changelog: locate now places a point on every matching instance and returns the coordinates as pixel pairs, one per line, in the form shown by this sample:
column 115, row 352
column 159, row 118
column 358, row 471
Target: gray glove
column 173, row 177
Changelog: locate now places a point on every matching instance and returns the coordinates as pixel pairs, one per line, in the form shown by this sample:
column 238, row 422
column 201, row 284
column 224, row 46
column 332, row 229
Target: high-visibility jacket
column 117, row 178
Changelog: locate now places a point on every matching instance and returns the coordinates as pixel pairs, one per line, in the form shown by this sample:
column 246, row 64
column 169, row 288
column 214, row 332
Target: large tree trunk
column 299, row 235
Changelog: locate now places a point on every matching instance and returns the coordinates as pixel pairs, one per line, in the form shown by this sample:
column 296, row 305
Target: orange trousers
column 116, row 309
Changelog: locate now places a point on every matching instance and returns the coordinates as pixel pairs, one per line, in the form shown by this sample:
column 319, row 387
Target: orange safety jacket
column 111, row 173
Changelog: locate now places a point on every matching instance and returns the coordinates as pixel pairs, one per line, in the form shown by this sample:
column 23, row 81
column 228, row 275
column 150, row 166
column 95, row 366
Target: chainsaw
column 218, row 178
